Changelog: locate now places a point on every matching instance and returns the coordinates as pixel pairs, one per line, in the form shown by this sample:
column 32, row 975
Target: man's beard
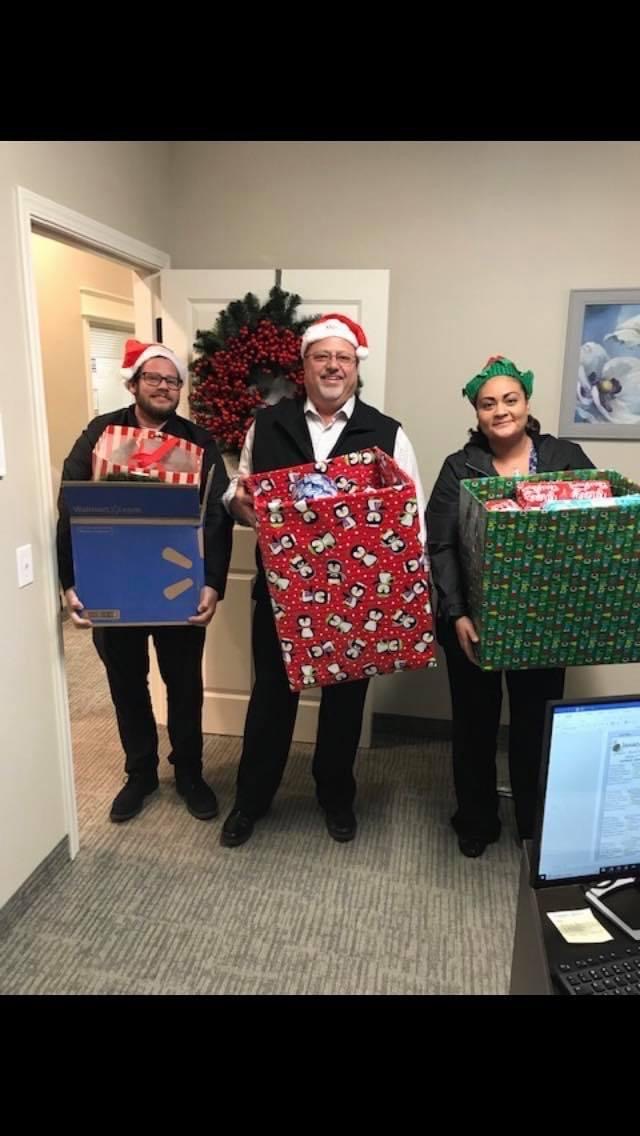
column 159, row 413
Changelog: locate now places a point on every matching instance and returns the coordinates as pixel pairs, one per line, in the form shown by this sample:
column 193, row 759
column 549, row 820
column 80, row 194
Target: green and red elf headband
column 494, row 367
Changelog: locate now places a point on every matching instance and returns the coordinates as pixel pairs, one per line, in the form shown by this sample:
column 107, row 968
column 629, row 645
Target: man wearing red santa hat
column 332, row 420
column 154, row 375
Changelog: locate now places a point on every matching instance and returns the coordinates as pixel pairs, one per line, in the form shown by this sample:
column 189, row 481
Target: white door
column 191, row 299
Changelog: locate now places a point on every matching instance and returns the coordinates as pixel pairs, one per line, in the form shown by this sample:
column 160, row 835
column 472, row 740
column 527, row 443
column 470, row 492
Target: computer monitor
column 588, row 822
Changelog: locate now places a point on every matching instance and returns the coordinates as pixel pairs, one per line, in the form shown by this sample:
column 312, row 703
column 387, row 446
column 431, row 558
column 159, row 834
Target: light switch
column 24, row 558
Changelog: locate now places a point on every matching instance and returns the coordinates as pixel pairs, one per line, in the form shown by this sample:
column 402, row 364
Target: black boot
column 341, row 824
column 236, row 829
column 199, row 798
column 131, row 797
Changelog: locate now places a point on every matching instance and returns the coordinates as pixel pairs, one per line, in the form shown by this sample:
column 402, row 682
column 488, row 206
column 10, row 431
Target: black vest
column 282, row 439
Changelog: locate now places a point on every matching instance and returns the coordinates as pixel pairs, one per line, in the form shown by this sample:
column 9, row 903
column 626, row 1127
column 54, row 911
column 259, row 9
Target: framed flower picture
column 601, row 382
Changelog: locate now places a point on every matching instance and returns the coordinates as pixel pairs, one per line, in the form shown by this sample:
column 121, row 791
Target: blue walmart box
column 138, row 553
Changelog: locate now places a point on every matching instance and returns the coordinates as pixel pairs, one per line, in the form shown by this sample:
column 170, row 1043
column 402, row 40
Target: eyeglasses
column 154, row 379
column 321, row 358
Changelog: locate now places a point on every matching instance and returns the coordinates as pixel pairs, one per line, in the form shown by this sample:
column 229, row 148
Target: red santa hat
column 334, row 324
column 136, row 353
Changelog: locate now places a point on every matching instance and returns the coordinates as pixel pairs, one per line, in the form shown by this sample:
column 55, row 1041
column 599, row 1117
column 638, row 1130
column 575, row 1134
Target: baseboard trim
column 411, row 726
column 33, row 887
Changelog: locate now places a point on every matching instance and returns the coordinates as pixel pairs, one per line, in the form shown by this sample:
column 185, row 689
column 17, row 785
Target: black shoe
column 130, row 799
column 199, row 798
column 342, row 825
column 236, row 829
column 474, row 846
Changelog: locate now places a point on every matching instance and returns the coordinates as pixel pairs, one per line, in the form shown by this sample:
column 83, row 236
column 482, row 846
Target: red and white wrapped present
column 534, row 494
column 346, row 572
column 147, row 453
column 503, row 505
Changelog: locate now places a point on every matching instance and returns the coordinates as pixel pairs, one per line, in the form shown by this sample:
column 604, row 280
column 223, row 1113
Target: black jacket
column 282, row 437
column 442, row 510
column 218, row 525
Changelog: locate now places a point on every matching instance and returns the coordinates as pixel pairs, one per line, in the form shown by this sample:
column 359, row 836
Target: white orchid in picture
column 627, row 332
column 608, row 382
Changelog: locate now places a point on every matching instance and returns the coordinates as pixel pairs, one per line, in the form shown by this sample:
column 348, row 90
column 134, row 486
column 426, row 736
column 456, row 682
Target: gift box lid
column 127, row 501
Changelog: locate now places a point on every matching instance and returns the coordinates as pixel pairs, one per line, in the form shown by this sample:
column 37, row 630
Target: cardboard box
column 551, row 589
column 138, row 553
column 346, row 574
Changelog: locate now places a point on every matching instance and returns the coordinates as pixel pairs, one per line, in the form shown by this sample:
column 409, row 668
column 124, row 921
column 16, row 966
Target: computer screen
column 588, row 822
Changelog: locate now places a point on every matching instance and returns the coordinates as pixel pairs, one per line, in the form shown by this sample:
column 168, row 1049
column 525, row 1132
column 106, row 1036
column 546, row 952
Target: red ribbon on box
column 347, row 575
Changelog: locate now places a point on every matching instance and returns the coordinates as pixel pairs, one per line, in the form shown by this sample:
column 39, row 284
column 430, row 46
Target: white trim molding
column 93, row 235
column 101, row 238
column 107, row 308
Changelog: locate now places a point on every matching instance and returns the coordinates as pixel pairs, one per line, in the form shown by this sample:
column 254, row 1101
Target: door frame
column 34, row 211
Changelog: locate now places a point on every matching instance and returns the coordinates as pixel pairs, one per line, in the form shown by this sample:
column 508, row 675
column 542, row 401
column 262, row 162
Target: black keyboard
column 607, row 972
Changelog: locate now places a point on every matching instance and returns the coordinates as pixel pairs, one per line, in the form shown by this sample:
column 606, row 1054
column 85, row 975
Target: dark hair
column 532, row 426
column 476, row 435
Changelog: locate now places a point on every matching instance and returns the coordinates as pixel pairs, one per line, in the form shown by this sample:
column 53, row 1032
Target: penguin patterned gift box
column 345, row 567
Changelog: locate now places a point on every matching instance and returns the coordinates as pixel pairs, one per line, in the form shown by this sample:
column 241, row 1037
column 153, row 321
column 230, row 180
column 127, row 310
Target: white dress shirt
column 323, row 439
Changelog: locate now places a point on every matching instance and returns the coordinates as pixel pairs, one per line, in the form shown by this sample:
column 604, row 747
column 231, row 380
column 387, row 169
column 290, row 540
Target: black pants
column 125, row 654
column 269, row 728
column 476, row 700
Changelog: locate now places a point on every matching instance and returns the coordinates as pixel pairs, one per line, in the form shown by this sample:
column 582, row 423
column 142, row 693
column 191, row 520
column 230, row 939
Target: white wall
column 124, row 185
column 484, row 242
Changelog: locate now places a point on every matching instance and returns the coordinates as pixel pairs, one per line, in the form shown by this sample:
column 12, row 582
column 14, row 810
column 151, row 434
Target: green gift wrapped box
column 551, row 589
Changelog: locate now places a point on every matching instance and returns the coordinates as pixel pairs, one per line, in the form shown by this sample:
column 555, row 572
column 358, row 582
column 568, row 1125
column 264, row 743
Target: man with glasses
column 331, row 420
column 154, row 375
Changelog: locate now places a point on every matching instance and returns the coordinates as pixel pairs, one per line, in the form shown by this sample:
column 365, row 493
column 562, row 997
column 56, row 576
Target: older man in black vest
column 332, row 420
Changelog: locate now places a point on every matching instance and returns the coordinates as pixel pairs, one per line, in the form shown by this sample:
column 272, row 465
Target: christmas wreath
column 250, row 358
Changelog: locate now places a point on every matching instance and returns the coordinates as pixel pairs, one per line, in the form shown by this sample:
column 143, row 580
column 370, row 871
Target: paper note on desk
column 579, row 926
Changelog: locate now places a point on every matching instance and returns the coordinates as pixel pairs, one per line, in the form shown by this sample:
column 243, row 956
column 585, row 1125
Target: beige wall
column 124, row 185
column 484, row 242
column 60, row 273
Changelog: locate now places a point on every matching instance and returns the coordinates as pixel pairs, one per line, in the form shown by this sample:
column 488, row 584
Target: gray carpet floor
column 156, row 906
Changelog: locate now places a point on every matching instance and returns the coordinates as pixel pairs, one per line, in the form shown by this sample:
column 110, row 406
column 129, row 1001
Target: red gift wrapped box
column 503, row 505
column 347, row 575
column 534, row 494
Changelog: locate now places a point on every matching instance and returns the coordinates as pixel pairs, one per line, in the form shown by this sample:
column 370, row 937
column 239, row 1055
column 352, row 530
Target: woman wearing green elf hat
column 506, row 441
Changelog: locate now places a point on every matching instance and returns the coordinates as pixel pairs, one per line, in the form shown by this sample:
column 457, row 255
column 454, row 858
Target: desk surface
column 538, row 945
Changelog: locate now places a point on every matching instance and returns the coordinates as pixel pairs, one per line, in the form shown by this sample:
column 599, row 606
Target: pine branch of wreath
column 249, row 358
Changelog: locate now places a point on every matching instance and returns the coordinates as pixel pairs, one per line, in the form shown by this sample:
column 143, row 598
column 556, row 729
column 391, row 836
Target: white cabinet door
column 191, row 299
